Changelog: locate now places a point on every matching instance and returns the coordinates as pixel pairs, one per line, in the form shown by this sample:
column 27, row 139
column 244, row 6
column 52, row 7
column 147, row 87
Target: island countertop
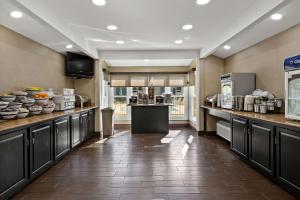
column 6, row 125
column 158, row 104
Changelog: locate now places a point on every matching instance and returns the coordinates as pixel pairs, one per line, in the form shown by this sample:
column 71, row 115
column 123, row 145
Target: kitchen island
column 150, row 118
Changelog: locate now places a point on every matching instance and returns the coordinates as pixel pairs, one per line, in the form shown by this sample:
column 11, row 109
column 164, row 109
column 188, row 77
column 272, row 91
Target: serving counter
column 28, row 147
column 150, row 118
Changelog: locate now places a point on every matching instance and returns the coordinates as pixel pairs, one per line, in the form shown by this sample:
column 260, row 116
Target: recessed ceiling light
column 187, row 27
column 99, row 2
column 276, row 16
column 120, row 42
column 178, row 41
column 202, row 2
column 69, row 46
column 134, row 40
column 227, row 47
column 16, row 14
column 112, row 27
column 96, row 40
column 146, row 60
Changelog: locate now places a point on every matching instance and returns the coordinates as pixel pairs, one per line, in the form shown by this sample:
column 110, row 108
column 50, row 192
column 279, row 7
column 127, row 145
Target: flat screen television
column 79, row 66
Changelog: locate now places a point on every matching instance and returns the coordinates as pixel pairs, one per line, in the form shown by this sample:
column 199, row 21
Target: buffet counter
column 150, row 118
column 17, row 123
column 271, row 118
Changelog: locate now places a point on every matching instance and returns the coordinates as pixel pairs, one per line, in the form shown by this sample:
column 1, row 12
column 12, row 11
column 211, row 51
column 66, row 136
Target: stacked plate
column 8, row 98
column 3, row 104
column 8, row 113
column 22, row 113
column 35, row 110
column 48, row 107
column 28, row 102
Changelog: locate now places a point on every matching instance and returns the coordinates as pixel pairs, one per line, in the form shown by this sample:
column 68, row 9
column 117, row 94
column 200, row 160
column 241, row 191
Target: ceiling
column 149, row 25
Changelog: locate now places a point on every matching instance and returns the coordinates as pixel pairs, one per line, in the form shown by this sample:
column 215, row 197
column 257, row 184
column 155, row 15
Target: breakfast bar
column 150, row 118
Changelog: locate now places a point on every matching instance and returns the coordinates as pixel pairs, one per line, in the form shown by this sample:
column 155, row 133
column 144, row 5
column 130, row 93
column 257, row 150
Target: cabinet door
column 41, row 153
column 62, row 137
column 13, row 158
column 239, row 143
column 84, row 126
column 261, row 147
column 91, row 123
column 75, row 130
column 288, row 162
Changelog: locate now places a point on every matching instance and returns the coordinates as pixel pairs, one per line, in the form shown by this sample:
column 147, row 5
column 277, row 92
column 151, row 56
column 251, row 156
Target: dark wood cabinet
column 14, row 162
column 62, row 137
column 239, row 135
column 75, row 130
column 41, row 148
column 84, row 118
column 28, row 151
column 261, row 146
column 288, row 162
column 91, row 123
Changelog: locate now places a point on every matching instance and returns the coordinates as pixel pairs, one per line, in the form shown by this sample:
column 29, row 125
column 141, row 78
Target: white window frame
column 127, row 117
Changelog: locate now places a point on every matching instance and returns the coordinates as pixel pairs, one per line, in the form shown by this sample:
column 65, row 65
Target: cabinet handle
column 27, row 142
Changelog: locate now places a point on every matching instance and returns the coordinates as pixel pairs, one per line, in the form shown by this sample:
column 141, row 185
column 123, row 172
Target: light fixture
column 187, row 27
column 146, row 60
column 99, row 2
column 202, row 2
column 276, row 16
column 120, row 42
column 96, row 40
column 69, row 46
column 16, row 14
column 112, row 27
column 135, row 40
column 227, row 47
column 178, row 42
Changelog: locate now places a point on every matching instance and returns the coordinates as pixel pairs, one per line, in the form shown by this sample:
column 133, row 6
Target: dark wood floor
column 179, row 166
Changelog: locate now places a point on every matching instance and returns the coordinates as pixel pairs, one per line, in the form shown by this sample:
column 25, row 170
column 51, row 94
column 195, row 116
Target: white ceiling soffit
column 148, row 62
column 255, row 12
column 149, row 25
column 149, row 54
column 31, row 28
column 46, row 16
column 262, row 30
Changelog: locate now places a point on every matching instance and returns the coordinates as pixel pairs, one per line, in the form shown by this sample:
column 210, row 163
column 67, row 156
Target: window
column 120, row 100
column 137, row 90
column 193, row 107
column 159, row 91
column 178, row 107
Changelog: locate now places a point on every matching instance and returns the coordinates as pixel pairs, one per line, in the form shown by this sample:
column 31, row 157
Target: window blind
column 117, row 80
column 158, row 80
column 178, row 80
column 140, row 80
column 145, row 79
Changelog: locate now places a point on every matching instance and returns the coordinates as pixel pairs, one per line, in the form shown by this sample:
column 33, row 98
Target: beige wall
column 25, row 63
column 266, row 60
column 211, row 68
